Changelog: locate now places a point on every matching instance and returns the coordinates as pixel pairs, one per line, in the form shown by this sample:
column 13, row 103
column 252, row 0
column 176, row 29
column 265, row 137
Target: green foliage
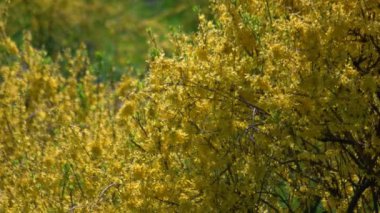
column 116, row 29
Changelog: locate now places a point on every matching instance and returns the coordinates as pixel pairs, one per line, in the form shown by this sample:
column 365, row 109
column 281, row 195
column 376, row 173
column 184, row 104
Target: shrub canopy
column 269, row 106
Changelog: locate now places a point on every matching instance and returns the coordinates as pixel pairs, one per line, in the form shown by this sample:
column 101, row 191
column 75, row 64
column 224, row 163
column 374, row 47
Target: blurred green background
column 114, row 31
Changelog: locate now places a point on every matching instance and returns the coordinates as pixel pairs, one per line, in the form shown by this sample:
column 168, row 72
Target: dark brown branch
column 221, row 174
column 252, row 106
column 377, row 47
column 337, row 140
column 375, row 199
column 358, row 193
column 137, row 145
column 140, row 125
column 167, row 201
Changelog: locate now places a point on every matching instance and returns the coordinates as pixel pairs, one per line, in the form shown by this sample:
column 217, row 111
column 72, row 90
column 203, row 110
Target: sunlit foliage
column 60, row 147
column 273, row 105
column 270, row 106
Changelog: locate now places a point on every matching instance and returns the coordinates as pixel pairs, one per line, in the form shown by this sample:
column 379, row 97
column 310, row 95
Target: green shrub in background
column 114, row 32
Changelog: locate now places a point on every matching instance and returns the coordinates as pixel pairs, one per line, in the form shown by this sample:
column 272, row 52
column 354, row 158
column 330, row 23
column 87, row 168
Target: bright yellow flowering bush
column 272, row 106
column 61, row 147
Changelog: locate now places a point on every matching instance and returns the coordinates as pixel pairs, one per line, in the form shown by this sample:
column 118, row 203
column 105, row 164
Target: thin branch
column 268, row 11
column 140, row 125
column 167, row 201
column 10, row 129
column 221, row 174
column 270, row 205
column 102, row 194
column 137, row 145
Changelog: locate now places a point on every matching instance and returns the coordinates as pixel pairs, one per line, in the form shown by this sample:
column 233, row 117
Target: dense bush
column 272, row 105
column 269, row 106
column 60, row 145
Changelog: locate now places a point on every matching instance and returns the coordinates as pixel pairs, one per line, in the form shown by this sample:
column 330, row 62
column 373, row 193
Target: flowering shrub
column 60, row 145
column 270, row 106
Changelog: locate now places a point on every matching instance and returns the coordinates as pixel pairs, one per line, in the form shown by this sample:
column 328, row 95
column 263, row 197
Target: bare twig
column 102, row 194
